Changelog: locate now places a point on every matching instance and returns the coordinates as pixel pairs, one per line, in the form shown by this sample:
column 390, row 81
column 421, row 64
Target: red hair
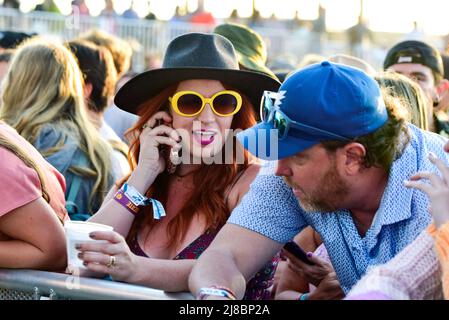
column 214, row 179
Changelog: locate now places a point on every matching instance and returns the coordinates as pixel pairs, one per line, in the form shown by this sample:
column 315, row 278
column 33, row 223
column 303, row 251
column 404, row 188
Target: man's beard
column 327, row 196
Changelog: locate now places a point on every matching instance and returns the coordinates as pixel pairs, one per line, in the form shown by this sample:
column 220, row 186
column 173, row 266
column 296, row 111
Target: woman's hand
column 321, row 274
column 313, row 274
column 112, row 257
column 152, row 137
column 328, row 289
column 437, row 189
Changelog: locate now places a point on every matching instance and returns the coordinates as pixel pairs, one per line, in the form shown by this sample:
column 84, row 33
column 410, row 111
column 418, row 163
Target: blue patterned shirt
column 271, row 209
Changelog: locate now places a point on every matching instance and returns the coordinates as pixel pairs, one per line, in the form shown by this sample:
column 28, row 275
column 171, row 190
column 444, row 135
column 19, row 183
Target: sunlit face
column 314, row 179
column 203, row 135
column 422, row 75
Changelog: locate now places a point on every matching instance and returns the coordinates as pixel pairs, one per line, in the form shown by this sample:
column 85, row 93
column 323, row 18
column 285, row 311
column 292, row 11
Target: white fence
column 151, row 36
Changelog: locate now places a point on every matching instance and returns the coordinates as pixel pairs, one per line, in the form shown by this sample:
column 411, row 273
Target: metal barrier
column 41, row 285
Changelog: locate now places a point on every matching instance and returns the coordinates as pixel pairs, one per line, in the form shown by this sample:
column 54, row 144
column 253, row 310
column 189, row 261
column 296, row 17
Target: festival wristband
column 135, row 196
column 158, row 209
column 121, row 198
column 140, row 200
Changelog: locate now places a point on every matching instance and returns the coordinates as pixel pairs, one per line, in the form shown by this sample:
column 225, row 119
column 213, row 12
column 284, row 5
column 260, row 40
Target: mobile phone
column 296, row 250
column 166, row 151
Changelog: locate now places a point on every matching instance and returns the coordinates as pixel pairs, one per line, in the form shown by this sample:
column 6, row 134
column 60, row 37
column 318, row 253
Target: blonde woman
column 43, row 100
column 32, row 207
column 411, row 96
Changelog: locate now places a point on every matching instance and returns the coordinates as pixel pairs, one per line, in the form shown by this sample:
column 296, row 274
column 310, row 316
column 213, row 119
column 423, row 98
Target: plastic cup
column 77, row 232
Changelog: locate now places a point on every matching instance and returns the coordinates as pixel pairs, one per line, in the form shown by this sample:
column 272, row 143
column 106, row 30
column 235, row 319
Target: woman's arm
column 168, row 275
column 441, row 237
column 150, row 165
column 413, row 274
column 113, row 213
column 37, row 238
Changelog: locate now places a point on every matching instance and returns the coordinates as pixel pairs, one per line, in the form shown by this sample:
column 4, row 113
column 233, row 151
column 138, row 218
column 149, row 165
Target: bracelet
column 135, row 196
column 211, row 291
column 304, row 296
column 122, row 198
column 229, row 291
column 134, row 200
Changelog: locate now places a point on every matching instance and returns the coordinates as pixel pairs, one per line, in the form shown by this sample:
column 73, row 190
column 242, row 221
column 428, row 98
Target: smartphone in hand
column 166, row 152
column 296, row 250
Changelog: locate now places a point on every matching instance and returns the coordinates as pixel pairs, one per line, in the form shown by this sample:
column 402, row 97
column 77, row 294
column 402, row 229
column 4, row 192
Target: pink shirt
column 20, row 184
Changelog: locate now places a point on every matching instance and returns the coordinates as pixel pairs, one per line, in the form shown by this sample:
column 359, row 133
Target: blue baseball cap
column 327, row 100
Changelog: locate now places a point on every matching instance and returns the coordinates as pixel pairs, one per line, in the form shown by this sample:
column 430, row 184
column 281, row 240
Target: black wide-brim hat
column 195, row 56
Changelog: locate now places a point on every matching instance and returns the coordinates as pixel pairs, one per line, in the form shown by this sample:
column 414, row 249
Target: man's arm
column 234, row 256
column 237, row 253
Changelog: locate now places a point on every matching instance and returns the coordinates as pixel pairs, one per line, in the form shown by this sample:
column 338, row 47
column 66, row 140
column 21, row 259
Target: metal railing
column 41, row 285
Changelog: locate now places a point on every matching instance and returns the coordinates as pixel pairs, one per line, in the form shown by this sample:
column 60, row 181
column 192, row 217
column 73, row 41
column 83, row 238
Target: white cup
column 77, row 232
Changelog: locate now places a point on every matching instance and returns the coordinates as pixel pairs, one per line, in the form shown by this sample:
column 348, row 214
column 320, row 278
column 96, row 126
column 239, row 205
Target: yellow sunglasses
column 190, row 103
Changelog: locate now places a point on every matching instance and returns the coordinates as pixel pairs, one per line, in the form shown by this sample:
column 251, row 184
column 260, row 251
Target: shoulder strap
column 237, row 178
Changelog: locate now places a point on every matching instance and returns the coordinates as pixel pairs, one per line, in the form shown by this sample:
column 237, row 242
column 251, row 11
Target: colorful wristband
column 121, row 198
column 215, row 292
column 135, row 196
column 230, row 292
column 138, row 200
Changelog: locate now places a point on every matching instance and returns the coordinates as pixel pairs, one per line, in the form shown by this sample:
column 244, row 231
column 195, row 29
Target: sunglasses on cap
column 269, row 113
column 190, row 103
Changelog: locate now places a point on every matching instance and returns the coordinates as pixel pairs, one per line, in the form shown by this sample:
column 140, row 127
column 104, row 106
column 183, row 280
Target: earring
column 175, row 157
column 174, row 161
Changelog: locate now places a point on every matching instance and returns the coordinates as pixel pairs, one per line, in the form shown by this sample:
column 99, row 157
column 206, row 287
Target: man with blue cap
column 343, row 152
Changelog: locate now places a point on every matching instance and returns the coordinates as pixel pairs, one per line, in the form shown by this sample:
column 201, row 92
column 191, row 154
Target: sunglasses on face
column 280, row 121
column 190, row 103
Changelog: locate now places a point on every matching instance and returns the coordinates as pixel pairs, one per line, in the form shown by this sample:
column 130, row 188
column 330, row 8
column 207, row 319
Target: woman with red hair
column 166, row 215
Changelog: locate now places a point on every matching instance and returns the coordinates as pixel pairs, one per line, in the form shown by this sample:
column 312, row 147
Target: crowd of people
column 208, row 164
